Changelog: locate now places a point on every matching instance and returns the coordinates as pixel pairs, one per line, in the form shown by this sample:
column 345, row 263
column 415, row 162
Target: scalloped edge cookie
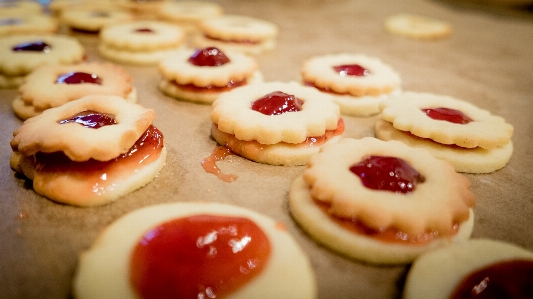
column 94, row 19
column 28, row 24
column 189, row 14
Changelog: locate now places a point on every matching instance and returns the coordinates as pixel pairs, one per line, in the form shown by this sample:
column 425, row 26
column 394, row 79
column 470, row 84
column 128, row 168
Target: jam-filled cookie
column 51, row 86
column 20, row 8
column 275, row 123
column 140, row 42
column 194, row 250
column 188, row 14
column 21, row 54
column 143, row 9
column 417, row 27
column 479, row 268
column 470, row 138
column 239, row 33
column 202, row 75
column 93, row 19
column 27, row 24
column 381, row 202
column 57, row 7
column 90, row 151
column 357, row 82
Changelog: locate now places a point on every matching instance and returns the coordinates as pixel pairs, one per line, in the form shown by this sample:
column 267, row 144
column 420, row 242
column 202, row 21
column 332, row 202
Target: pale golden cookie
column 417, row 27
column 47, row 86
column 19, row 8
column 140, row 42
column 439, row 201
column 57, row 7
column 189, row 14
column 92, row 20
column 104, row 269
column 235, row 32
column 28, row 24
column 144, row 9
column 470, row 160
column 455, row 263
column 485, row 130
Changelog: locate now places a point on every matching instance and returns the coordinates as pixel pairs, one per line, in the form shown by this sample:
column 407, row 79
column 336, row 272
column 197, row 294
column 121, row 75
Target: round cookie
column 57, row 7
column 27, row 24
column 202, row 75
column 21, row 54
column 237, row 33
column 90, row 151
column 275, row 123
column 341, row 209
column 417, row 27
column 145, row 9
column 140, row 42
column 455, row 263
column 188, row 14
column 104, row 269
column 19, row 8
column 51, row 86
column 92, row 20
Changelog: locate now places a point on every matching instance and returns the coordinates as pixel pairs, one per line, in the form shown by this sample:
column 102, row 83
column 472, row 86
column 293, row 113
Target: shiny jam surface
column 144, row 30
column 210, row 166
column 210, row 88
column 37, row 46
column 91, row 119
column 447, row 114
column 209, row 56
column 511, row 280
column 387, row 173
column 276, row 103
column 79, row 78
column 351, row 70
column 200, row 256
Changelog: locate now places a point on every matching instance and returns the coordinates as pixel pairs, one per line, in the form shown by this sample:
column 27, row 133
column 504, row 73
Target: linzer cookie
column 140, row 42
column 238, row 33
column 480, row 268
column 188, row 14
column 194, row 250
column 27, row 24
column 51, row 86
column 57, row 7
column 470, row 138
column 275, row 123
column 21, row 54
column 357, row 82
column 90, row 151
column 348, row 200
column 418, row 27
column 202, row 75
column 145, row 9
column 94, row 19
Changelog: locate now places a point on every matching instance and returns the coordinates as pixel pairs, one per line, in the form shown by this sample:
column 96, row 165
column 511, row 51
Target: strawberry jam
column 209, row 56
column 79, row 78
column 210, row 88
column 144, row 30
column 276, row 103
column 91, row 119
column 351, row 70
column 447, row 114
column 387, row 173
column 510, row 279
column 37, row 46
column 200, row 256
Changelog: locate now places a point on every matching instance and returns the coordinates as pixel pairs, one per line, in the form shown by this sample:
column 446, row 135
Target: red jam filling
column 78, row 78
column 387, row 173
column 276, row 103
column 351, row 70
column 447, row 114
column 91, row 119
column 209, row 56
column 144, row 30
column 210, row 88
column 511, row 279
column 200, row 256
column 210, row 166
column 37, row 46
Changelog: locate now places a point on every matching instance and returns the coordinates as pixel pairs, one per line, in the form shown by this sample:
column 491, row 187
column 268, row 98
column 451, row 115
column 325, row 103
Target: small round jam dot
column 37, row 46
column 210, row 56
column 447, row 114
column 276, row 103
column 144, row 30
column 79, row 78
column 91, row 119
column 351, row 70
column 387, row 173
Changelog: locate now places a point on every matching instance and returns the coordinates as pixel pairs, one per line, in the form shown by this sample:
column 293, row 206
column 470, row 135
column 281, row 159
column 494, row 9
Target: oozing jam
column 510, row 279
column 210, row 88
column 200, row 256
column 144, row 30
column 91, row 119
column 387, row 173
column 210, row 166
column 447, row 114
column 324, row 89
column 78, row 78
column 209, row 56
column 236, row 41
column 276, row 103
column 351, row 70
column 37, row 46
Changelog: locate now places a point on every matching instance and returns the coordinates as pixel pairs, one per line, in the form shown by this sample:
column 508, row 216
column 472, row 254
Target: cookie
column 57, row 7
column 357, row 82
column 90, row 151
column 453, row 124
column 275, row 123
column 145, row 9
column 188, row 14
column 417, row 27
column 243, row 255
column 21, row 54
column 140, row 42
column 27, row 24
column 19, row 8
column 348, row 200
column 202, row 75
column 238, row 33
column 480, row 268
column 93, row 20
column 51, row 86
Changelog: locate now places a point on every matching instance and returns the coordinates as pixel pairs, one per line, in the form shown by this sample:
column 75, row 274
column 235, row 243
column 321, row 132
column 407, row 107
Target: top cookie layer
column 238, row 28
